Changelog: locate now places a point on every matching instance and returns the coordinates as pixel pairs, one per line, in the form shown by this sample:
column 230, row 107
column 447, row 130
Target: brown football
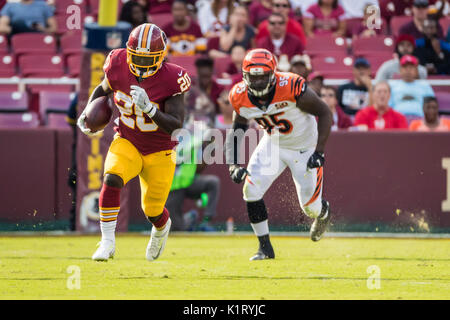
column 98, row 114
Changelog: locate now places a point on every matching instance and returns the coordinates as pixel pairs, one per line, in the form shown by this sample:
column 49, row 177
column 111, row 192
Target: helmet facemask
column 144, row 64
column 259, row 81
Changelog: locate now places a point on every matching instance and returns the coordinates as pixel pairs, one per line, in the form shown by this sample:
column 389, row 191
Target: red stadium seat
column 161, row 19
column 41, row 65
column 4, row 48
column 32, row 43
column 19, row 120
column 320, row 44
column 7, row 66
column 74, row 65
column 71, row 43
column 187, row 62
column 373, row 45
column 444, row 101
column 53, row 102
column 333, row 67
column 13, row 101
column 61, row 5
column 57, row 121
column 397, row 22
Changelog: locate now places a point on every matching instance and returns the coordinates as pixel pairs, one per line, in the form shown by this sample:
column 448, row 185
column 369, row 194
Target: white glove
column 81, row 123
column 141, row 100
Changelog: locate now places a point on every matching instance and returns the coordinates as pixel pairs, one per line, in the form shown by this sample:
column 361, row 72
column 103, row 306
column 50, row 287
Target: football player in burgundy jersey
column 149, row 94
column 282, row 104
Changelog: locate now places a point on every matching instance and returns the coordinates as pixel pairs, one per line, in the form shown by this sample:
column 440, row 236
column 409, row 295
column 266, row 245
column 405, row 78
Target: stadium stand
column 373, row 46
column 41, row 65
column 7, row 66
column 33, row 43
column 57, row 121
column 3, row 44
column 53, row 102
column 444, row 101
column 19, row 120
column 325, row 44
column 13, row 102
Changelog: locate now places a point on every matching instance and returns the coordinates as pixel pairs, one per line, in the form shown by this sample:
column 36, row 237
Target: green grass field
column 213, row 267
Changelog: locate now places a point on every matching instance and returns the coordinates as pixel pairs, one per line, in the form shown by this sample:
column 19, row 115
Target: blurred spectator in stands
column 301, row 65
column 315, row 81
column 279, row 42
column 380, row 115
column 185, row 36
column 392, row 8
column 190, row 183
column 238, row 32
column 340, row 119
column 325, row 17
column 205, row 82
column 408, row 93
column 293, row 27
column 234, row 69
column 213, row 15
column 431, row 120
column 404, row 45
column 224, row 120
column 415, row 27
column 357, row 9
column 369, row 26
column 27, row 16
column 355, row 95
column 432, row 52
column 259, row 11
column 159, row 6
column 2, row 3
column 133, row 13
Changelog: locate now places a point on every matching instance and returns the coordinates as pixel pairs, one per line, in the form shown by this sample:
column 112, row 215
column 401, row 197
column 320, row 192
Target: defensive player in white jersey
column 283, row 105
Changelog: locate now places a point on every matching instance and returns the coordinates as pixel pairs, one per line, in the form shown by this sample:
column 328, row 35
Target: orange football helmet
column 258, row 71
column 146, row 50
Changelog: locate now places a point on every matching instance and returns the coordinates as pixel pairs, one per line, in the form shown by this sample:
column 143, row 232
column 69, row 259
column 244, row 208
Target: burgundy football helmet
column 146, row 50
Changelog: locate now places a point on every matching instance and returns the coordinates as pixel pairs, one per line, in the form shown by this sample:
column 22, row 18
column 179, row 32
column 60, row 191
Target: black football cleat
column 261, row 256
column 319, row 225
column 265, row 250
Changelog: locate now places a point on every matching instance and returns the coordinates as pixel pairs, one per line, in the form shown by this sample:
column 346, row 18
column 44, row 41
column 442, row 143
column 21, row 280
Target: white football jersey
column 283, row 121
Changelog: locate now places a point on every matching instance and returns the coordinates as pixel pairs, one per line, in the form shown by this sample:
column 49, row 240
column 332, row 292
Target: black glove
column 237, row 173
column 316, row 160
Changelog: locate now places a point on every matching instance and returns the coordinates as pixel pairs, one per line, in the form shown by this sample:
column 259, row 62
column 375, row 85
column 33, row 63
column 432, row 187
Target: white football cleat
column 105, row 250
column 157, row 242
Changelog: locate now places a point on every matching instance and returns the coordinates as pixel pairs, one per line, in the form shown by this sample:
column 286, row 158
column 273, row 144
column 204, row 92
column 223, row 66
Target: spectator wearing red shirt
column 205, row 81
column 185, row 36
column 340, row 119
column 159, row 6
column 259, row 11
column 325, row 17
column 420, row 14
column 293, row 27
column 380, row 116
column 279, row 42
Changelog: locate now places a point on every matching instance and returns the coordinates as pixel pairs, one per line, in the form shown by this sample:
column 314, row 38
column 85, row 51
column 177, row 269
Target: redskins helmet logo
column 146, row 50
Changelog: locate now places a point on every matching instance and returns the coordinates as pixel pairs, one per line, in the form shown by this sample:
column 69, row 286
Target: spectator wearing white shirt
column 213, row 15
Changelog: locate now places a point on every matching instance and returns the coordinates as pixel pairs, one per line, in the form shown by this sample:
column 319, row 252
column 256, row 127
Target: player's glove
column 81, row 123
column 316, row 160
column 237, row 173
column 141, row 100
